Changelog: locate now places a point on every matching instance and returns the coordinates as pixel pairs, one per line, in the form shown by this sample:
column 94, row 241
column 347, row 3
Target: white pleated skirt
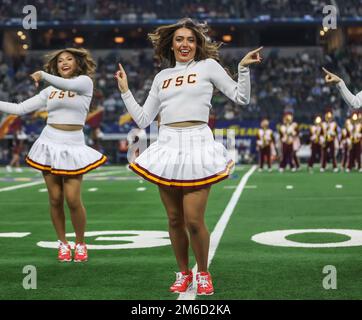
column 184, row 157
column 63, row 153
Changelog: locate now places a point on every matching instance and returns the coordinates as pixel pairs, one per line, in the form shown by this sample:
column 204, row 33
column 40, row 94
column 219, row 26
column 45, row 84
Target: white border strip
column 14, row 234
column 216, row 235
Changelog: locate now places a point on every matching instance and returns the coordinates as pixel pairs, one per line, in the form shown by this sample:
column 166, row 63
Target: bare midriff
column 185, row 124
column 67, row 127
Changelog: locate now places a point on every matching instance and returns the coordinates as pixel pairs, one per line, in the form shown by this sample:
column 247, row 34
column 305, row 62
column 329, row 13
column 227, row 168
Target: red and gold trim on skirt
column 62, row 172
column 144, row 173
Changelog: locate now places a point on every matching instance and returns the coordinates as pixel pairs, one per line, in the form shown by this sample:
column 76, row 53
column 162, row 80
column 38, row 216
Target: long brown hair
column 162, row 38
column 85, row 63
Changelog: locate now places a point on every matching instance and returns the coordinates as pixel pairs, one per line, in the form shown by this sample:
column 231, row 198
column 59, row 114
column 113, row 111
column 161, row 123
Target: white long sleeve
column 37, row 102
column 354, row 101
column 184, row 92
column 239, row 92
column 143, row 116
column 82, row 84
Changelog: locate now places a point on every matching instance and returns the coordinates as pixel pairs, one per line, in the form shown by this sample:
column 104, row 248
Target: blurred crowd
column 137, row 10
column 350, row 8
column 293, row 83
column 285, row 8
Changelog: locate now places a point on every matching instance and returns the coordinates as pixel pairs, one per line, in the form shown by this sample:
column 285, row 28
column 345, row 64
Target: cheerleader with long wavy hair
column 185, row 160
column 60, row 152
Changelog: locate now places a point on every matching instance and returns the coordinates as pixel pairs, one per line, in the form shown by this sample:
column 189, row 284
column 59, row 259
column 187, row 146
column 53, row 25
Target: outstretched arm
column 239, row 92
column 81, row 84
column 27, row 106
column 354, row 101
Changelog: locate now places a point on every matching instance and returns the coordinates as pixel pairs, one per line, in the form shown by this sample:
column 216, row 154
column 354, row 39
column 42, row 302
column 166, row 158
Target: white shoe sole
column 205, row 294
column 189, row 286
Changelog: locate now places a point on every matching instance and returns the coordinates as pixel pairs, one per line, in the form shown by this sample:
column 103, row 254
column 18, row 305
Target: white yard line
column 14, row 234
column 30, row 184
column 250, row 187
column 19, row 186
column 216, row 235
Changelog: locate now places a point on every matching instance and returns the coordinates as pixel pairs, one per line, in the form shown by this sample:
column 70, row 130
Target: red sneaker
column 183, row 281
column 81, row 253
column 204, row 283
column 64, row 252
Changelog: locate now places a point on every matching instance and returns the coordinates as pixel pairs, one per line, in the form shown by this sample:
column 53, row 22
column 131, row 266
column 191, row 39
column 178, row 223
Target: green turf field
column 116, row 200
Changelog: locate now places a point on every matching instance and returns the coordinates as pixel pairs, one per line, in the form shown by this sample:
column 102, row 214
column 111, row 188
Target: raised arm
column 354, row 101
column 27, row 106
column 143, row 116
column 81, row 84
column 239, row 92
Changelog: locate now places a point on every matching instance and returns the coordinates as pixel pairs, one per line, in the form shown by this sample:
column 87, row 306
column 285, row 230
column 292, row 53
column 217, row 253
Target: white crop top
column 66, row 100
column 184, row 93
column 354, row 101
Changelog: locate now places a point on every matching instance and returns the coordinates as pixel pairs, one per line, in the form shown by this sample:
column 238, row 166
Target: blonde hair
column 162, row 38
column 85, row 63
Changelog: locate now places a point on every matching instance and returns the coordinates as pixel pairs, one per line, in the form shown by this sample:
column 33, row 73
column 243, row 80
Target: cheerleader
column 60, row 151
column 185, row 160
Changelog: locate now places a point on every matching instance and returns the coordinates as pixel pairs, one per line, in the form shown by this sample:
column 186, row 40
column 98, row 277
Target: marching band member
column 316, row 141
column 265, row 141
column 330, row 139
column 346, row 143
column 356, row 136
column 287, row 133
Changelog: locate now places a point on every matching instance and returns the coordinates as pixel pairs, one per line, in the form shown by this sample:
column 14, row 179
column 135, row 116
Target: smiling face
column 66, row 64
column 184, row 45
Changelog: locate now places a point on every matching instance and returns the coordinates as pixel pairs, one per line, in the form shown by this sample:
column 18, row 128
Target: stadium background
column 295, row 48
column 290, row 77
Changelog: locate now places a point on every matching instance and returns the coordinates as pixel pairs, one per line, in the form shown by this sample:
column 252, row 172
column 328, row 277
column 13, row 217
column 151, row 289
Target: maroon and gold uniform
column 296, row 145
column 288, row 131
column 316, row 141
column 346, row 143
column 330, row 134
column 264, row 143
column 356, row 137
